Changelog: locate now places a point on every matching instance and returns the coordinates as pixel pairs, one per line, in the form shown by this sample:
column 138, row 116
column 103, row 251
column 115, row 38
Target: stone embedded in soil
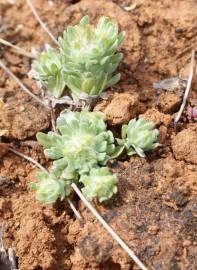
column 184, row 145
column 120, row 109
column 156, row 117
column 169, row 102
column 3, row 149
column 23, row 122
column 162, row 134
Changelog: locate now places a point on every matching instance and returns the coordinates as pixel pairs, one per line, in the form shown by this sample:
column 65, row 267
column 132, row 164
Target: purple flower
column 43, row 49
column 192, row 113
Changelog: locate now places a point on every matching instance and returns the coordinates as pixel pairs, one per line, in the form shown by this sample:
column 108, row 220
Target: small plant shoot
column 48, row 70
column 99, row 183
column 85, row 61
column 50, row 188
column 138, row 137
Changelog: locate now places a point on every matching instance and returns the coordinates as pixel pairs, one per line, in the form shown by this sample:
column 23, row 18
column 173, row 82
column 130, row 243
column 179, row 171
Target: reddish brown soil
column 155, row 211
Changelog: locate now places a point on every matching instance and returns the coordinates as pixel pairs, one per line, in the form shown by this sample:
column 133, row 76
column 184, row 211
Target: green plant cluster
column 138, row 137
column 85, row 61
column 82, row 150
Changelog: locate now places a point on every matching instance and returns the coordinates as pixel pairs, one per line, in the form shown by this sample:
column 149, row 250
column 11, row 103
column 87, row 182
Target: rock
column 187, row 183
column 3, row 204
column 153, row 229
column 184, row 145
column 158, row 118
column 169, row 102
column 23, row 118
column 162, row 134
column 120, row 109
column 3, row 149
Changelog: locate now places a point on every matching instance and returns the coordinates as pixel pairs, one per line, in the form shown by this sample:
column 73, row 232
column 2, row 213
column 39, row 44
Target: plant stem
column 189, row 82
column 43, row 25
column 16, row 48
column 74, row 209
column 23, row 87
column 38, row 165
column 109, row 229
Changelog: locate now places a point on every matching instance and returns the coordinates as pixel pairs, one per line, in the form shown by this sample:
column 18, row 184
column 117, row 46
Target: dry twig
column 37, row 164
column 23, row 87
column 16, row 48
column 43, row 25
column 189, row 82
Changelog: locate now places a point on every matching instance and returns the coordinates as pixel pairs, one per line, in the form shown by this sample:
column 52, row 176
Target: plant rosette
column 84, row 144
column 99, row 183
column 85, row 61
column 138, row 137
column 50, row 188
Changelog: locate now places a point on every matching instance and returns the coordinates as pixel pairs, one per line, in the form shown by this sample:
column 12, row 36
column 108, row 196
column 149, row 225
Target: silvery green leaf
column 84, row 21
column 124, row 131
column 113, row 80
column 48, row 140
column 138, row 151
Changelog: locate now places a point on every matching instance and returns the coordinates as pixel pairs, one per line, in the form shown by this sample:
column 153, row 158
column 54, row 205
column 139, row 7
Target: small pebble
column 187, row 243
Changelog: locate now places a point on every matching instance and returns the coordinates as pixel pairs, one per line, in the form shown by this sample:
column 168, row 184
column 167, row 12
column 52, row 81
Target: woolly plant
column 83, row 145
column 99, row 183
column 50, row 188
column 138, row 137
column 84, row 62
column 48, row 70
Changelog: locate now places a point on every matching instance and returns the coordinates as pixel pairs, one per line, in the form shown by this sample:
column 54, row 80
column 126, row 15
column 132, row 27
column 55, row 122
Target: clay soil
column 155, row 210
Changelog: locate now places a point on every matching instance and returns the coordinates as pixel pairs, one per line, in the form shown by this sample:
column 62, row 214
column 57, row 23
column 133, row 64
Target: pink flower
column 192, row 113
